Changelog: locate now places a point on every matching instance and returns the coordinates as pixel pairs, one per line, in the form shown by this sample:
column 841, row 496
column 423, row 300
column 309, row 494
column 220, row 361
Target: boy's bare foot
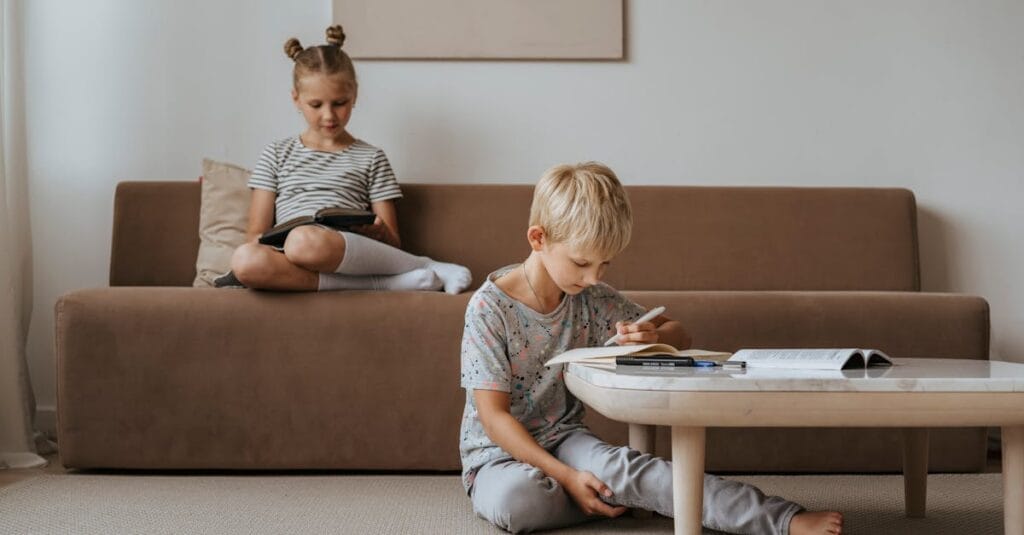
column 817, row 523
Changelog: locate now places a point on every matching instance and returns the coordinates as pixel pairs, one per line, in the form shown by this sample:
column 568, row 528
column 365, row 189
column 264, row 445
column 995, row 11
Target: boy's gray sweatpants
column 520, row 498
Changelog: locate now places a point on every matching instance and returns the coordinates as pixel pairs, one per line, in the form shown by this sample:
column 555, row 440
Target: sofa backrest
column 684, row 237
column 155, row 238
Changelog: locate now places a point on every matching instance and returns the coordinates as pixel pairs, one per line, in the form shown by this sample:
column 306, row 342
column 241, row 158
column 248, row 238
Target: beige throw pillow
column 223, row 215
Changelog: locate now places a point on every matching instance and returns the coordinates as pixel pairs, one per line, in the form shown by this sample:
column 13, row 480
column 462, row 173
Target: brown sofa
column 155, row 374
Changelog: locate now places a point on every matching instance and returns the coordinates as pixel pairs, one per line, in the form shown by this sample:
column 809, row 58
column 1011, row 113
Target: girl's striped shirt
column 306, row 180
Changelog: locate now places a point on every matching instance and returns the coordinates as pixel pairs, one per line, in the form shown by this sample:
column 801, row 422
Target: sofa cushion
column 202, row 378
column 223, row 213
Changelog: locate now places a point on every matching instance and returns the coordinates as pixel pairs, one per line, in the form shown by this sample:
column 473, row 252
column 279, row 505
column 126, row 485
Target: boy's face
column 573, row 270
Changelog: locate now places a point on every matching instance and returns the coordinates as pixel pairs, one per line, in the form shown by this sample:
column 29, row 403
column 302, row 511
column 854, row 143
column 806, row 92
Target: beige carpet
column 79, row 503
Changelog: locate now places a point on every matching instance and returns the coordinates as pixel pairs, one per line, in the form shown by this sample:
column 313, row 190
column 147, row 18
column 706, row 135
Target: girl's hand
column 636, row 333
column 586, row 490
column 377, row 231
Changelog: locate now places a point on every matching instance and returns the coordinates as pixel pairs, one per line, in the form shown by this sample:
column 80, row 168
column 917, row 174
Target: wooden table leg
column 641, row 438
column 687, row 478
column 915, row 471
column 1013, row 480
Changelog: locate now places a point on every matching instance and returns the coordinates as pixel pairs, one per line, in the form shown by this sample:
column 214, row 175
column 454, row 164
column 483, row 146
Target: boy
column 528, row 461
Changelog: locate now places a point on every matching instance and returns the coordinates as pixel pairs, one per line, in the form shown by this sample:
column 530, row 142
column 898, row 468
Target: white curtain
column 17, row 405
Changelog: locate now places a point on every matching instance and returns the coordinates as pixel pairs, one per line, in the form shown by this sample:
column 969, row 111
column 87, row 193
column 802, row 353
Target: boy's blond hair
column 583, row 206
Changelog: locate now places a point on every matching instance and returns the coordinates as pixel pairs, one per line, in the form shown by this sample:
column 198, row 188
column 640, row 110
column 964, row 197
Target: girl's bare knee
column 310, row 247
column 301, row 246
column 249, row 262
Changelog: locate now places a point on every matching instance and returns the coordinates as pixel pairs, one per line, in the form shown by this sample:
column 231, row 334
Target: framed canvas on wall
column 482, row 29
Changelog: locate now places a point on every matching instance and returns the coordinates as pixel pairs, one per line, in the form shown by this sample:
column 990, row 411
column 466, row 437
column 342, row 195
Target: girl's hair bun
column 325, row 59
column 292, row 48
column 335, row 36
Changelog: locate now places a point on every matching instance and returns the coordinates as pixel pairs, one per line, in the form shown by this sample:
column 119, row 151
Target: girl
column 326, row 166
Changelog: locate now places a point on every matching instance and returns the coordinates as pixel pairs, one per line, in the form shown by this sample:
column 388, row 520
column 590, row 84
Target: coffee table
column 914, row 395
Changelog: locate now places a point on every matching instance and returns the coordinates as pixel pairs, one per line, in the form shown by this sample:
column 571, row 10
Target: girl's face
column 326, row 103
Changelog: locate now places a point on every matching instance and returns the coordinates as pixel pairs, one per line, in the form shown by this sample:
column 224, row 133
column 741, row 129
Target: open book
column 606, row 357
column 812, row 359
column 336, row 218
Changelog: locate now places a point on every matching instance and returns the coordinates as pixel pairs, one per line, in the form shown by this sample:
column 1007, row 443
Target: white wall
column 923, row 94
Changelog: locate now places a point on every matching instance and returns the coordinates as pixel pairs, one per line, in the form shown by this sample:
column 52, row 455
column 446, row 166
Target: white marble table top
column 907, row 375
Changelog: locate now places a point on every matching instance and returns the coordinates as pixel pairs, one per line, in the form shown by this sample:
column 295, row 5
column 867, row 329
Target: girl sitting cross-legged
column 325, row 166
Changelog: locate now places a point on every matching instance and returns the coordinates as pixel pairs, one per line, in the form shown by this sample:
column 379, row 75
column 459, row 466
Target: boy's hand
column 585, row 490
column 636, row 333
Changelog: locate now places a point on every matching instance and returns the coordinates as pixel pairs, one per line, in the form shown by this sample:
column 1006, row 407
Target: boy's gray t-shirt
column 504, row 347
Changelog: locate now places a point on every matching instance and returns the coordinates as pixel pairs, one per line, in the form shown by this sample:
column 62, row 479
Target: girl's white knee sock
column 455, row 277
column 366, row 256
column 417, row 279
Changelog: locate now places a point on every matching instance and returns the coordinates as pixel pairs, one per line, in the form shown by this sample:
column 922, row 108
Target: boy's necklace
column 530, row 284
